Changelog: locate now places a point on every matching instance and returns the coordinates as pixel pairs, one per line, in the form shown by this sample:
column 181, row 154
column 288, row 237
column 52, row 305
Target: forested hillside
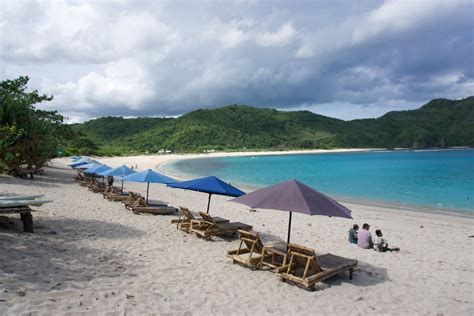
column 439, row 123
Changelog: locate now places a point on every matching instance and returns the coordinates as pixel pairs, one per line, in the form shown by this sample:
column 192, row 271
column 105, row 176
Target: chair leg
column 27, row 220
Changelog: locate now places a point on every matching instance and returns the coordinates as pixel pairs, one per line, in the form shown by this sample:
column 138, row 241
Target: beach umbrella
column 89, row 166
column 120, row 172
column 84, row 159
column 149, row 176
column 97, row 169
column 211, row 185
column 294, row 196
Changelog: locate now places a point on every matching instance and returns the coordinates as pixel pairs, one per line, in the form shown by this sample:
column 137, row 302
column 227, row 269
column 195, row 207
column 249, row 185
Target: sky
column 344, row 59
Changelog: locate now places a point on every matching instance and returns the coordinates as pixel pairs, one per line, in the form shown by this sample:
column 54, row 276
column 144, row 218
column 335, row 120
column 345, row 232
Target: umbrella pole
column 289, row 229
column 147, row 189
column 208, row 203
column 122, row 185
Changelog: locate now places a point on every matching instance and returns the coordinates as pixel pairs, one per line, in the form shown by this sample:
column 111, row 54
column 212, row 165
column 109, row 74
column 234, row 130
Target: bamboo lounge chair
column 131, row 200
column 305, row 269
column 115, row 192
column 208, row 227
column 142, row 207
column 254, row 254
column 96, row 186
column 184, row 220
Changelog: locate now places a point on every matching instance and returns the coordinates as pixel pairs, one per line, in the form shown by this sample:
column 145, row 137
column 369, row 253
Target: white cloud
column 145, row 57
column 281, row 37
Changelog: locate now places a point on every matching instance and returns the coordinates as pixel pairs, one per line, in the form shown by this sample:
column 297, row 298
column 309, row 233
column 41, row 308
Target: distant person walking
column 353, row 234
column 364, row 237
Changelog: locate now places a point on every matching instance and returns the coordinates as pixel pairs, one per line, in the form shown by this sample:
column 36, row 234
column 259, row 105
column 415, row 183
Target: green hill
column 440, row 123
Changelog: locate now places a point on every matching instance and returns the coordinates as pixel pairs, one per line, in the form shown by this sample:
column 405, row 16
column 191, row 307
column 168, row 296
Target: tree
column 28, row 136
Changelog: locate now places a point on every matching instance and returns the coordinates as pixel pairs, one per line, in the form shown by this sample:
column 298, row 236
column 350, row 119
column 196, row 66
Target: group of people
column 363, row 238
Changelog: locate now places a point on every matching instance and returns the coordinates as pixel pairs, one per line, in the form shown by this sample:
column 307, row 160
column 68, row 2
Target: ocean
column 437, row 179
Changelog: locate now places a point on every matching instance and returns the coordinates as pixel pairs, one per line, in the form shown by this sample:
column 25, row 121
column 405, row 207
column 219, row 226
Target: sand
column 92, row 256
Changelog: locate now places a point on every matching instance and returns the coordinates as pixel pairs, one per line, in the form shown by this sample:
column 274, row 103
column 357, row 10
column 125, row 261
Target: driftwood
column 305, row 269
column 254, row 254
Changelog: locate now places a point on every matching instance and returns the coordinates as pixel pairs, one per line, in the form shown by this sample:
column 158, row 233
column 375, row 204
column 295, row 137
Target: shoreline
column 161, row 163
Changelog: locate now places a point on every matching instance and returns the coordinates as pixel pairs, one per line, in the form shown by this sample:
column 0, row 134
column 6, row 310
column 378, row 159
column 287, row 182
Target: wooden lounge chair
column 112, row 191
column 118, row 196
column 142, row 207
column 96, row 186
column 184, row 220
column 208, row 227
column 254, row 254
column 131, row 200
column 305, row 269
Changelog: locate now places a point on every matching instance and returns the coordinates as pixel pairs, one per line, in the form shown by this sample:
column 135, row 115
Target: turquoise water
column 437, row 179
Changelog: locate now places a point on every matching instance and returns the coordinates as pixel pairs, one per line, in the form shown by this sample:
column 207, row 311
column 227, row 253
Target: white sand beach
column 92, row 256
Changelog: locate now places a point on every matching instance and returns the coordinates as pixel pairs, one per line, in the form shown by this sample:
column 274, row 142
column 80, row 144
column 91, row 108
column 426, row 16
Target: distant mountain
column 439, row 123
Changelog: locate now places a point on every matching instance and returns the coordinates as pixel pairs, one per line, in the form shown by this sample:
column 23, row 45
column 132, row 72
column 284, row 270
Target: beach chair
column 112, row 191
column 184, row 220
column 207, row 227
column 118, row 196
column 305, row 269
column 141, row 206
column 131, row 200
column 254, row 254
column 96, row 186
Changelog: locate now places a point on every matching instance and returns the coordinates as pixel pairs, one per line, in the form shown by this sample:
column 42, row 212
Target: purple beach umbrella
column 294, row 196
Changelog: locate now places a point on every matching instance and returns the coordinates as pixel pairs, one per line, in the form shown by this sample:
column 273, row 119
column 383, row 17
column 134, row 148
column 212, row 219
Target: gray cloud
column 136, row 58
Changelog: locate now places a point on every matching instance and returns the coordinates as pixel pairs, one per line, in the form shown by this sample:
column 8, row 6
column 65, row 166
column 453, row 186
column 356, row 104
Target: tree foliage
column 28, row 136
column 440, row 123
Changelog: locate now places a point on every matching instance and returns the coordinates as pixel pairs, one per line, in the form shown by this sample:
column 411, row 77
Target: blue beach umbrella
column 97, row 169
column 77, row 164
column 82, row 161
column 120, row 172
column 149, row 176
column 211, row 185
column 89, row 166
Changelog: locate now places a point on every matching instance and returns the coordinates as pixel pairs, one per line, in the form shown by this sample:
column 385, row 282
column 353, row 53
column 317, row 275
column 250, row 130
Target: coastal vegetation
column 29, row 136
column 440, row 123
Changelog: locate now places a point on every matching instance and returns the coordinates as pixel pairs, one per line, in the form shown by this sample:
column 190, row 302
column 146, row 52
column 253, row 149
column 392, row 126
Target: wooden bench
column 25, row 215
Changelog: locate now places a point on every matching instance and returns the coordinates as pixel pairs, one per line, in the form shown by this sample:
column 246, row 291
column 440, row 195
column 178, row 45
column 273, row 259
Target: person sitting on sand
column 353, row 234
column 364, row 237
column 381, row 244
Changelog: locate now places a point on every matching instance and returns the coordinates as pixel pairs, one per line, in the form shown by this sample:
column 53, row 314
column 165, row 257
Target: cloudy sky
column 345, row 59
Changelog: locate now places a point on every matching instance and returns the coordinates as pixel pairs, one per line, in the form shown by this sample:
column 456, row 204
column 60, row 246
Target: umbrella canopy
column 149, row 176
column 120, row 172
column 78, row 164
column 211, row 185
column 294, row 196
column 98, row 169
column 83, row 159
column 89, row 166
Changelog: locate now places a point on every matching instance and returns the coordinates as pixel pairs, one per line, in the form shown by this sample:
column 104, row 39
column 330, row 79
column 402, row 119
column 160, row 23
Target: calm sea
column 441, row 179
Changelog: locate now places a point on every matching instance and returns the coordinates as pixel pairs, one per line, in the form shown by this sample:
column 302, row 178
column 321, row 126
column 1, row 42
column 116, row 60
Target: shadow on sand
column 54, row 254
